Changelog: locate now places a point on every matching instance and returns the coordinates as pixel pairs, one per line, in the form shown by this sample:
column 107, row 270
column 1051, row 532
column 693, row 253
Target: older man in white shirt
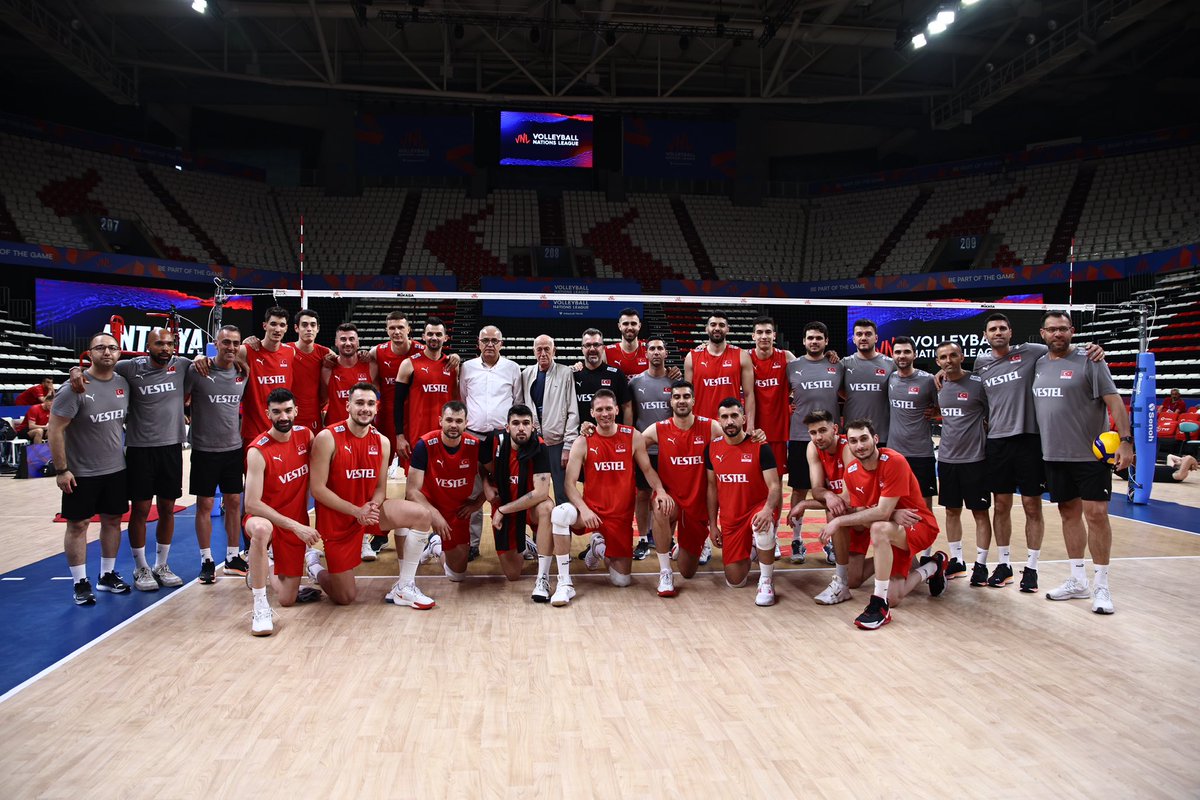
column 489, row 386
column 549, row 389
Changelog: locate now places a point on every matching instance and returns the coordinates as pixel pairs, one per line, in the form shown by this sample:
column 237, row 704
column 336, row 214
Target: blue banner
column 548, row 307
column 673, row 148
column 394, row 144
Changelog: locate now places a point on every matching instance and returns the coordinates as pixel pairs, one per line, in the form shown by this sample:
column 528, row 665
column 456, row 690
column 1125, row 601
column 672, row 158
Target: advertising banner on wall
column 675, row 148
column 400, row 144
column 548, row 307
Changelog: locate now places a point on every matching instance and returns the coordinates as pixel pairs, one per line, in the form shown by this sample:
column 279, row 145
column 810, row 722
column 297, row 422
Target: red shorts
column 618, row 535
column 737, row 539
column 860, row 541
column 919, row 536
column 287, row 548
column 343, row 553
column 460, row 531
column 692, row 529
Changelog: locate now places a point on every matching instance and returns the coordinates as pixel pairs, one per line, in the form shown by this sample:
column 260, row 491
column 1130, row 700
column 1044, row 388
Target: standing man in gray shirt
column 1070, row 396
column 86, row 432
column 816, row 384
column 962, row 464
column 651, row 392
column 549, row 390
column 217, row 447
column 866, row 379
column 912, row 398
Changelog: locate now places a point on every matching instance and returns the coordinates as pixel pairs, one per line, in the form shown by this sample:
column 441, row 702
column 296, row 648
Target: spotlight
column 535, row 34
column 1031, row 39
column 459, row 31
column 935, row 26
column 199, row 6
column 945, row 16
column 919, row 41
column 1052, row 25
column 968, row 3
column 684, row 43
column 610, row 37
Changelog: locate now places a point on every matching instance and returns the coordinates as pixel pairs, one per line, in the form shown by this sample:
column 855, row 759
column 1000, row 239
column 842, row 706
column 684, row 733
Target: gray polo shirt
column 910, row 430
column 815, row 386
column 865, row 384
column 216, row 426
column 1068, row 396
column 651, row 402
column 1006, row 382
column 95, row 436
column 155, row 401
column 964, row 410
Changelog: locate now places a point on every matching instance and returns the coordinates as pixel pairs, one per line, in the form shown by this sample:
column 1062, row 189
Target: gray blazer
column 561, row 425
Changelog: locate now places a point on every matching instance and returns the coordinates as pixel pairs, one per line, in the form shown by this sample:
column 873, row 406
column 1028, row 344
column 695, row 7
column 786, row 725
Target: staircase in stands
column 898, row 230
column 394, row 260
column 182, row 216
column 696, row 247
column 1068, row 220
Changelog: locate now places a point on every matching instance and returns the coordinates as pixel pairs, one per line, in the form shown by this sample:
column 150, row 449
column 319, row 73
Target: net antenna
column 302, row 261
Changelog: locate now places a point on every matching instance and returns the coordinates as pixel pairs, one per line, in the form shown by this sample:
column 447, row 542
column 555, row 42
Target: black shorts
column 964, row 484
column 639, row 477
column 96, row 494
column 210, row 470
column 1015, row 462
column 511, row 533
column 799, row 478
column 155, row 472
column 926, row 471
column 1071, row 480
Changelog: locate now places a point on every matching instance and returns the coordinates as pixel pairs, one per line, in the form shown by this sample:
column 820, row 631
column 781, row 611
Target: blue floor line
column 1158, row 512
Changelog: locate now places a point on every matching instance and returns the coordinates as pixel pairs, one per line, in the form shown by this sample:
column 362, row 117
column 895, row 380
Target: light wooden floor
column 982, row 692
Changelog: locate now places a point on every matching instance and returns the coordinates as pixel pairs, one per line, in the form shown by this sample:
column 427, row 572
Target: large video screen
column 541, row 139
column 70, row 309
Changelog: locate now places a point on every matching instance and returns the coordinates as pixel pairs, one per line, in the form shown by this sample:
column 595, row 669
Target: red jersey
column 891, row 478
column 340, row 381
column 31, row 396
column 268, row 372
column 609, row 487
column 715, row 378
column 353, row 476
column 36, row 415
column 433, row 384
column 681, row 462
column 741, row 488
column 387, row 364
column 306, row 385
column 449, row 476
column 833, row 466
column 631, row 364
column 285, row 476
column 771, row 390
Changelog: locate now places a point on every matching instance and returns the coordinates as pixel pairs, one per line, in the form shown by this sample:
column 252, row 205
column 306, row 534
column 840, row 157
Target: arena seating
column 760, row 243
column 342, row 235
column 845, row 231
column 638, row 239
column 26, row 357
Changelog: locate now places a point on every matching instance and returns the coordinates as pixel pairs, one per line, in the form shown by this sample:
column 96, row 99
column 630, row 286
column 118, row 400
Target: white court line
column 12, row 579
column 72, row 656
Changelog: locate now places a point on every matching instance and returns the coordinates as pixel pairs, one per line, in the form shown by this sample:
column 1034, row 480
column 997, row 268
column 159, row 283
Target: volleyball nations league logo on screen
column 535, row 139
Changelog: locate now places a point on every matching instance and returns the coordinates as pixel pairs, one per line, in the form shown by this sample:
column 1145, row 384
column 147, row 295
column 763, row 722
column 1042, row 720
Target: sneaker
column 830, row 557
column 409, row 595
column 1071, row 589
column 83, row 593
column 955, row 569
column 675, row 551
column 979, row 576
column 706, row 553
column 433, row 549
column 112, row 582
column 797, row 556
column 593, row 561
column 1102, row 601
column 379, row 543
column 778, row 552
column 562, row 594
column 165, row 577
column 541, row 590
column 836, row 592
column 236, row 565
column 1002, row 575
column 531, row 551
column 876, row 614
column 262, row 621
column 472, row 553
column 640, row 551
column 308, row 594
column 766, row 593
column 208, row 571
column 666, row 584
column 143, row 580
column 936, row 581
column 1029, row 580
column 368, row 552
column 312, row 562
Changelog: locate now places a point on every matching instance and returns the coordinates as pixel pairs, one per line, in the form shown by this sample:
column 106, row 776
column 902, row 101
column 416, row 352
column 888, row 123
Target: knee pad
column 765, row 539
column 455, row 577
column 740, row 583
column 563, row 517
column 618, row 579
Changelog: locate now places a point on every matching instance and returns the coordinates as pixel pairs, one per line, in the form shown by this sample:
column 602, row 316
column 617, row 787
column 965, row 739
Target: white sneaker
column 675, row 552
column 368, row 552
column 830, row 557
column 591, row 560
column 706, row 553
column 1072, row 589
column 666, row 584
column 1102, row 601
column 766, row 593
column 262, row 621
column 312, row 562
column 433, row 550
column 541, row 589
column 143, row 580
column 562, row 594
column 166, row 577
column 778, row 552
column 836, row 592
column 409, row 595
column 531, row 551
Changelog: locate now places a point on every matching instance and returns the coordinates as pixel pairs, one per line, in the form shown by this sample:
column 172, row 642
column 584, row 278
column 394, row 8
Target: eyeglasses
column 490, row 341
column 592, row 346
column 1058, row 329
column 105, row 348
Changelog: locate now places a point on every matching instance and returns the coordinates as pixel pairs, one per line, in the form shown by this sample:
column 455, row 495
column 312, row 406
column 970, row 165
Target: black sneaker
column 208, row 571
column 379, row 543
column 640, row 551
column 308, row 594
column 955, row 569
column 1002, row 575
column 979, row 576
column 797, row 556
column 83, row 593
column 937, row 581
column 1029, row 580
column 472, row 553
column 876, row 614
column 236, row 565
column 584, row 552
column 112, row 582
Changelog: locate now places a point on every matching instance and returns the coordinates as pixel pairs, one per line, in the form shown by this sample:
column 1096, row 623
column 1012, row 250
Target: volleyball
column 1105, row 446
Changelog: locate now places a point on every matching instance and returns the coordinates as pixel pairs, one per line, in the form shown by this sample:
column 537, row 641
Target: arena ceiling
column 848, row 60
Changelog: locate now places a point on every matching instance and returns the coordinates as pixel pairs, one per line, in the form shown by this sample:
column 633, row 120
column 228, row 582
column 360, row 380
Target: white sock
column 544, row 566
column 139, row 557
column 160, row 554
column 1005, row 555
column 1078, row 570
column 841, row 571
column 564, row 567
column 260, row 596
column 230, row 552
column 205, row 554
column 1101, row 574
column 107, row 565
column 981, row 555
column 414, row 546
column 956, row 551
column 664, row 562
column 928, row 569
column 881, row 588
column 79, row 572
column 766, row 572
column 1034, row 555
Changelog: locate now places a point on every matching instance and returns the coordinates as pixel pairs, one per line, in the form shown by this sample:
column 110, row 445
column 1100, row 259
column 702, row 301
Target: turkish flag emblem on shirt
column 962, row 396
column 1067, row 374
column 879, row 373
